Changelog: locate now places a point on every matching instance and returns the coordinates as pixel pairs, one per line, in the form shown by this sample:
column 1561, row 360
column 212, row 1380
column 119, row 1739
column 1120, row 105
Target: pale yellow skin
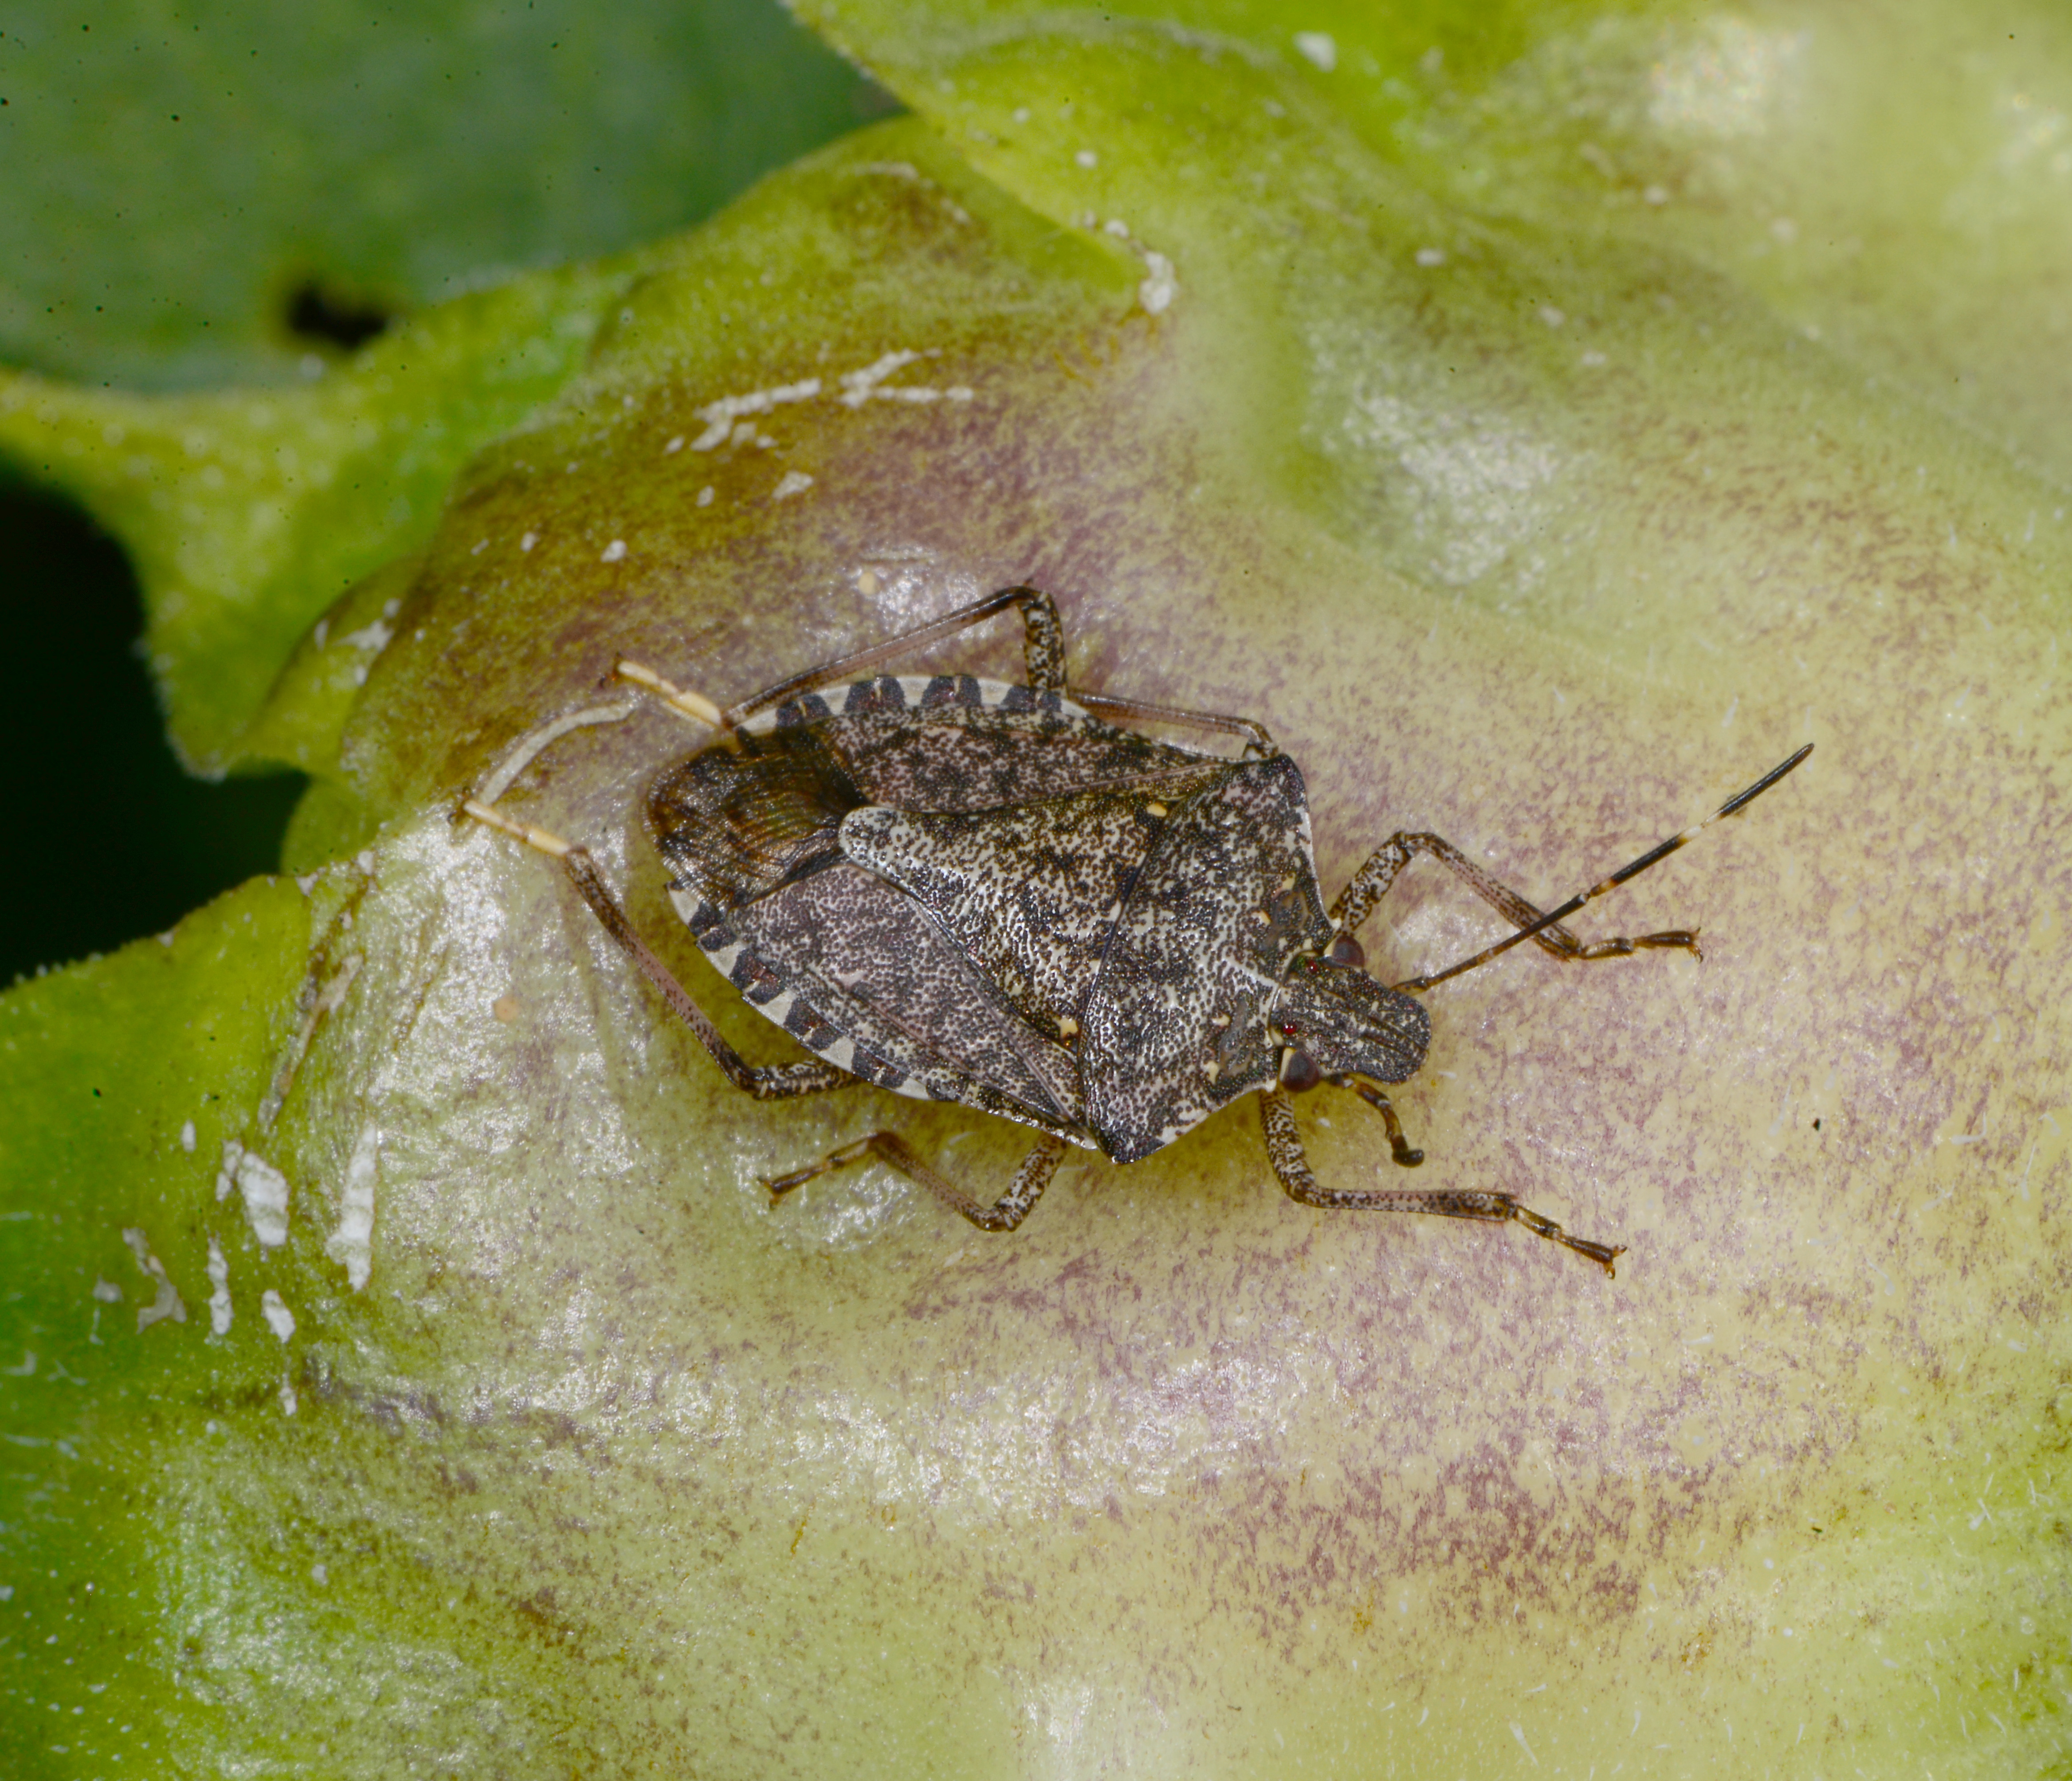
column 1182, row 1479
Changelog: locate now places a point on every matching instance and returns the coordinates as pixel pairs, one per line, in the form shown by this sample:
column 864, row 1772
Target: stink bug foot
column 1291, row 1167
column 997, row 895
column 890, row 1148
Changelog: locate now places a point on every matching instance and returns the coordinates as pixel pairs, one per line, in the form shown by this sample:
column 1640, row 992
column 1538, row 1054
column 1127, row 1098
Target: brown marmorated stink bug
column 998, row 895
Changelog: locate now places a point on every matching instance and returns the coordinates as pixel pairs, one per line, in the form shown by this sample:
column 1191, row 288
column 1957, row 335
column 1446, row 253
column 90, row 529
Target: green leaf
column 123, row 1076
column 248, row 514
column 178, row 180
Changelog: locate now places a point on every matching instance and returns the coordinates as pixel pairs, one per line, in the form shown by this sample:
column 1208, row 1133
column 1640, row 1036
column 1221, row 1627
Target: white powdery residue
column 1431, row 257
column 1491, row 484
column 1318, row 47
column 705, row 495
column 1086, row 158
column 1726, row 79
column 858, row 386
column 372, row 638
column 219, row 1277
column 528, row 541
column 287, row 1396
column 352, row 1244
column 957, row 392
column 187, row 1137
column 168, row 1303
column 1117, row 227
column 265, row 1191
column 795, row 481
column 1553, row 317
column 720, row 416
column 673, row 446
column 1160, row 287
column 226, row 1175
column 614, row 552
column 279, row 1319
column 322, row 634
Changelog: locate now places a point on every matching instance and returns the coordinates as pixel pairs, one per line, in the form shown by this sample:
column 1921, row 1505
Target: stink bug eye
column 947, row 887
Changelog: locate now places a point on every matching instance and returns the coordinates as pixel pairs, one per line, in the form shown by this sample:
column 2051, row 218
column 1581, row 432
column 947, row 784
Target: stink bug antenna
column 1654, row 856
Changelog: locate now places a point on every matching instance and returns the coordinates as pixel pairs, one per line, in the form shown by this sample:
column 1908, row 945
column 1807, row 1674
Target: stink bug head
column 1339, row 1022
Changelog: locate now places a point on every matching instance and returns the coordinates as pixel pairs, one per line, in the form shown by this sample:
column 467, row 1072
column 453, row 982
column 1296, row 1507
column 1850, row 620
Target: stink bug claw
column 1604, row 1254
column 963, row 890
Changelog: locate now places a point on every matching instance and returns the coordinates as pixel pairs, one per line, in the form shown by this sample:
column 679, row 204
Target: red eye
column 1288, row 1029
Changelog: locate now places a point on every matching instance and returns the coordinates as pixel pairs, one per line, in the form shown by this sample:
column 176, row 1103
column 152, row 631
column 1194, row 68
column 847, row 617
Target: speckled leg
column 1043, row 649
column 1369, row 884
column 766, row 1082
column 1257, row 743
column 889, row 1148
column 1284, row 1147
column 769, row 1082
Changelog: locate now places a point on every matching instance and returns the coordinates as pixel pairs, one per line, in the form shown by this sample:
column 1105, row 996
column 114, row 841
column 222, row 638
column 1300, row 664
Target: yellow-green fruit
column 581, row 1455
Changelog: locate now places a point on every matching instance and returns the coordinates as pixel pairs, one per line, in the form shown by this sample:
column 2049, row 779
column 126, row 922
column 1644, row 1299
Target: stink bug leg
column 1399, row 1145
column 1356, row 902
column 895, row 1152
column 1043, row 649
column 1545, row 931
column 776, row 1082
column 1291, row 1167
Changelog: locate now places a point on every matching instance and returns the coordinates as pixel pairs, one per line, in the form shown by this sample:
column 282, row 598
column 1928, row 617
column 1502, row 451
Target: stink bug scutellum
column 965, row 890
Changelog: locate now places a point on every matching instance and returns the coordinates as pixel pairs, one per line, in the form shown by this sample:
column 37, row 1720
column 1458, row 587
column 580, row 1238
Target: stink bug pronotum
column 965, row 890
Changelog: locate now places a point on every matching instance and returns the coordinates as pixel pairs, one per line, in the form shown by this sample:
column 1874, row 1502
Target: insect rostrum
column 965, row 890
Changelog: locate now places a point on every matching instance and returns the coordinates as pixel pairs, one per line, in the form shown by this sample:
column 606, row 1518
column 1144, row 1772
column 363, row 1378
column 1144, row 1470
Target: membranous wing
column 841, row 957
column 1222, row 905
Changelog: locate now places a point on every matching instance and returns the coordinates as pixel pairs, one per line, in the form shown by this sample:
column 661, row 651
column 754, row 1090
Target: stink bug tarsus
column 963, row 890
